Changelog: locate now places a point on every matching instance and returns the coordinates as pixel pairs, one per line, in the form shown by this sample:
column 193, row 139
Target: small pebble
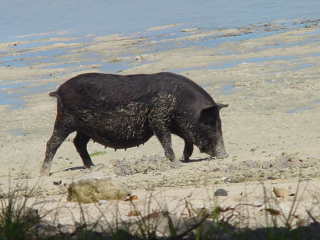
column 102, row 202
column 138, row 58
column 57, row 182
column 220, row 193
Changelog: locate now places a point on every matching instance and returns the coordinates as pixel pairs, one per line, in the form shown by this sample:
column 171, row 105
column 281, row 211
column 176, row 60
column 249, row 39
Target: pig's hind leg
column 63, row 126
column 60, row 132
column 80, row 141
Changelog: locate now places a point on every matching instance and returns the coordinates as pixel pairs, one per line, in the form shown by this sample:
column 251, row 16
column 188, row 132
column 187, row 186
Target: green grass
column 98, row 153
column 17, row 220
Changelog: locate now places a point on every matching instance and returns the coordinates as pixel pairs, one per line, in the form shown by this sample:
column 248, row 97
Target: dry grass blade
column 190, row 229
column 273, row 212
column 312, row 217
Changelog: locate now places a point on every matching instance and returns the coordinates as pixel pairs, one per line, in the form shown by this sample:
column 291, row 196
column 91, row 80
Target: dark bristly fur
column 123, row 111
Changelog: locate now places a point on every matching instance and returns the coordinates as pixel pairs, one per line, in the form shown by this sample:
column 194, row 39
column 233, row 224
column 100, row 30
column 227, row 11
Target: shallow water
column 15, row 98
column 313, row 104
column 81, row 17
column 299, row 109
column 228, row 89
column 82, row 20
column 17, row 132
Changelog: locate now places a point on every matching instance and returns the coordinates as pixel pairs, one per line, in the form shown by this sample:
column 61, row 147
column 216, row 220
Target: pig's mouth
column 222, row 155
column 215, row 154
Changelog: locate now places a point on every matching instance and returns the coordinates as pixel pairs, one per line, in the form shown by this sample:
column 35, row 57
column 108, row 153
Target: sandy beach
column 271, row 127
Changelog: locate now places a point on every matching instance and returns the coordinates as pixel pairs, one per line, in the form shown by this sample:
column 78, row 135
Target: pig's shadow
column 74, row 168
column 189, row 161
column 69, row 169
column 94, row 167
column 197, row 160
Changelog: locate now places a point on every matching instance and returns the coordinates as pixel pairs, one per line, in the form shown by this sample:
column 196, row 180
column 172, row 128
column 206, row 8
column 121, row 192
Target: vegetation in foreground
column 19, row 221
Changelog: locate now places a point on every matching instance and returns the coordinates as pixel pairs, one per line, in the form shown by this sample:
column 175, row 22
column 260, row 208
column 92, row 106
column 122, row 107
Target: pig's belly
column 114, row 139
column 122, row 128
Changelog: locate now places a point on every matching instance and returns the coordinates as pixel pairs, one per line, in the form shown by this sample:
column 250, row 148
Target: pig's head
column 208, row 136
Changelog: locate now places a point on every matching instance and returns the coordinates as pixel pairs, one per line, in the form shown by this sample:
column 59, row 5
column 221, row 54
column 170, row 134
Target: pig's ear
column 221, row 105
column 207, row 115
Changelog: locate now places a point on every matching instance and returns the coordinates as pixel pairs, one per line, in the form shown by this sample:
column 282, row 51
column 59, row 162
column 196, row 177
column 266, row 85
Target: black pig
column 123, row 111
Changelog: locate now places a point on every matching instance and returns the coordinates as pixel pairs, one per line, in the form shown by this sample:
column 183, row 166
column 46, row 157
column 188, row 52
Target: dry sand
column 271, row 128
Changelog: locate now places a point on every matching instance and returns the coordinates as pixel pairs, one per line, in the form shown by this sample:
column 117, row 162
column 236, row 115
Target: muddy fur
column 123, row 111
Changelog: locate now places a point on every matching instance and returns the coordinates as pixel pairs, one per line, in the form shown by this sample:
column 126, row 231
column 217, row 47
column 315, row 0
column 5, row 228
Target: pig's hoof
column 175, row 164
column 184, row 160
column 88, row 166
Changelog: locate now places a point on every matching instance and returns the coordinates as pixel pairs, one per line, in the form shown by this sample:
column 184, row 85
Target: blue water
column 18, row 132
column 14, row 99
column 313, row 104
column 299, row 109
column 228, row 89
column 100, row 17
column 26, row 58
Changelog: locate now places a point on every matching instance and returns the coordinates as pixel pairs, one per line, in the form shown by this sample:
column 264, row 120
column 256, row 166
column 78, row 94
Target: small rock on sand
column 91, row 190
column 220, row 193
